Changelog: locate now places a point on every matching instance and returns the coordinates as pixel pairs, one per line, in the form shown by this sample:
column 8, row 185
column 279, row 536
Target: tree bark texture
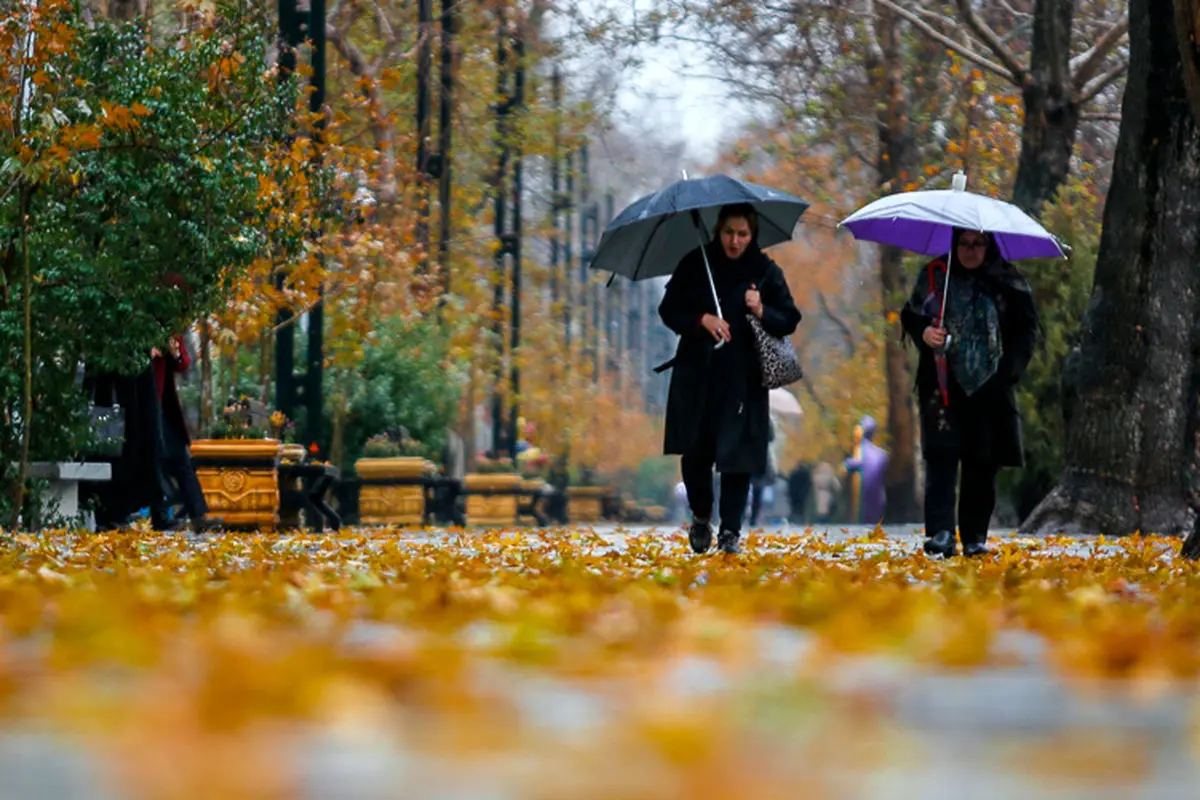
column 897, row 164
column 1133, row 457
column 1051, row 108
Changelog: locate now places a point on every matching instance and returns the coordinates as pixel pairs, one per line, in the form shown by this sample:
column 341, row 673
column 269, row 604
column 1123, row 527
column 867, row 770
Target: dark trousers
column 756, row 496
column 177, row 464
column 976, row 497
column 697, row 468
column 735, row 487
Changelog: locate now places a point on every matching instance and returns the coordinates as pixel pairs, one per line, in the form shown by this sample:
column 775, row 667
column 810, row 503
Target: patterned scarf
column 973, row 323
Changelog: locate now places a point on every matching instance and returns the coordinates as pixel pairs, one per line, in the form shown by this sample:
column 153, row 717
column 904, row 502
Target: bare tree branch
column 988, row 36
column 839, row 323
column 1015, row 12
column 380, row 126
column 958, row 47
column 812, row 392
column 381, row 22
column 872, row 36
column 1100, row 81
column 1085, row 65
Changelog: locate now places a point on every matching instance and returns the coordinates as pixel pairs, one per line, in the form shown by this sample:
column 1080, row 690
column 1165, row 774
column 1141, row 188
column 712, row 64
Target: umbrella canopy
column 649, row 237
column 923, row 222
column 784, row 403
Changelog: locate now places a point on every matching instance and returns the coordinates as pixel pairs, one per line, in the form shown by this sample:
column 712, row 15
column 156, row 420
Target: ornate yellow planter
column 585, row 503
column 240, row 480
column 381, row 502
column 492, row 511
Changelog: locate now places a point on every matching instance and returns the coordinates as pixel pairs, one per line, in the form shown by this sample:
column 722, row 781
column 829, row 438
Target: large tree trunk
column 1051, row 109
column 1132, row 456
column 898, row 158
column 1187, row 32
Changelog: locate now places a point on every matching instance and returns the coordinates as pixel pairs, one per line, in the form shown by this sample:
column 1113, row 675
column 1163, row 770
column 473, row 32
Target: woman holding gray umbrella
column 976, row 335
column 717, row 407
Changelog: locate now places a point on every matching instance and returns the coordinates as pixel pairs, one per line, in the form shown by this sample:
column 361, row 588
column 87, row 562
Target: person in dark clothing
column 759, row 483
column 799, row 486
column 136, row 478
column 717, row 407
column 176, row 460
column 989, row 333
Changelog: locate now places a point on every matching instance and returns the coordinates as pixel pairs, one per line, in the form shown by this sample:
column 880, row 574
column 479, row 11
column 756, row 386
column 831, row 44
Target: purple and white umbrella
column 924, row 221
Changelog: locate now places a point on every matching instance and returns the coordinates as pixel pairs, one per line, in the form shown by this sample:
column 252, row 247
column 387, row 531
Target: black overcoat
column 722, row 388
column 986, row 426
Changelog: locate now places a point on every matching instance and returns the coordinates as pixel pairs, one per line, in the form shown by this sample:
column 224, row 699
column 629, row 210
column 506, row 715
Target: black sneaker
column 205, row 524
column 941, row 544
column 700, row 536
column 975, row 549
column 727, row 542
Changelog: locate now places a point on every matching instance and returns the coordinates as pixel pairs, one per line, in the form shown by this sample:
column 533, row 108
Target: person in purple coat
column 871, row 461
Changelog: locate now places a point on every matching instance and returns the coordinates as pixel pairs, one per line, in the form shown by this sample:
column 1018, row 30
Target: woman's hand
column 934, row 336
column 754, row 301
column 716, row 326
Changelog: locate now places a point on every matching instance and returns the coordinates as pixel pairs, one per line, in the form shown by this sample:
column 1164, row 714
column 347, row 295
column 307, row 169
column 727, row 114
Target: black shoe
column 205, row 524
column 975, row 549
column 700, row 536
column 941, row 544
column 727, row 542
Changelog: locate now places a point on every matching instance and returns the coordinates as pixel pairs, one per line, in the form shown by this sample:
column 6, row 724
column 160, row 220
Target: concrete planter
column 61, row 498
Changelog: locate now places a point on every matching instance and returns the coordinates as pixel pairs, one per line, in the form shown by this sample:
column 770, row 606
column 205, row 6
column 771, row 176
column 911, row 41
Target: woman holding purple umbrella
column 969, row 415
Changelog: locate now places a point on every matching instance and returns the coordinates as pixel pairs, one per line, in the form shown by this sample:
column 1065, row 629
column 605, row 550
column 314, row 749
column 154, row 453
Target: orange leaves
column 225, row 69
column 117, row 117
column 708, row 677
column 77, row 138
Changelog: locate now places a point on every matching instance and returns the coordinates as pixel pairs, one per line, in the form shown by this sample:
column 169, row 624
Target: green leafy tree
column 404, row 381
column 128, row 202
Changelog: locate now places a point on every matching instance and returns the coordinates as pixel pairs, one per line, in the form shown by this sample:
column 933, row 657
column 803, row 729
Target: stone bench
column 61, row 498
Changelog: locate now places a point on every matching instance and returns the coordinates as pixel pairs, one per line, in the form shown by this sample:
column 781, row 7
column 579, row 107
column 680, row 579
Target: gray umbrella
column 650, row 236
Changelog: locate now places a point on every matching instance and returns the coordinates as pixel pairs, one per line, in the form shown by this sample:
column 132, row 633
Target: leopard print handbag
column 776, row 357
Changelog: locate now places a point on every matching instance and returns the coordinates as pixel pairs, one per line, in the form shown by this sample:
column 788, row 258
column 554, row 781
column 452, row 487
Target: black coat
column 722, row 388
column 985, row 426
column 137, row 480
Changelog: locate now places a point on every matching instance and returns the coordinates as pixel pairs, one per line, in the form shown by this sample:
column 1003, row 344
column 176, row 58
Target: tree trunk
column 1131, row 451
column 18, row 496
column 897, row 161
column 1187, row 32
column 1051, row 110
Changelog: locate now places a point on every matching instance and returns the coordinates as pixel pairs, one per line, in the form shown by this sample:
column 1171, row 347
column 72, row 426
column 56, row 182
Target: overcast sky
column 668, row 93
column 684, row 105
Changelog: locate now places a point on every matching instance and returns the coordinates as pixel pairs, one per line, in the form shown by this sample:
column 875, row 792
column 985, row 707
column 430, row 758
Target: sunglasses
column 972, row 245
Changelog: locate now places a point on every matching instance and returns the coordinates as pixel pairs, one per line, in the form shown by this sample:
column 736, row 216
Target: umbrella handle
column 708, row 269
column 946, row 285
column 704, row 255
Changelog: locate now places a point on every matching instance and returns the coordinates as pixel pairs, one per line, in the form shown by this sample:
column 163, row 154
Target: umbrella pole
column 946, row 285
column 707, row 267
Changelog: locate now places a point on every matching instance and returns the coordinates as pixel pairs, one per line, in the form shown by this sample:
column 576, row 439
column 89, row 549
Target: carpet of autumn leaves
column 558, row 665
